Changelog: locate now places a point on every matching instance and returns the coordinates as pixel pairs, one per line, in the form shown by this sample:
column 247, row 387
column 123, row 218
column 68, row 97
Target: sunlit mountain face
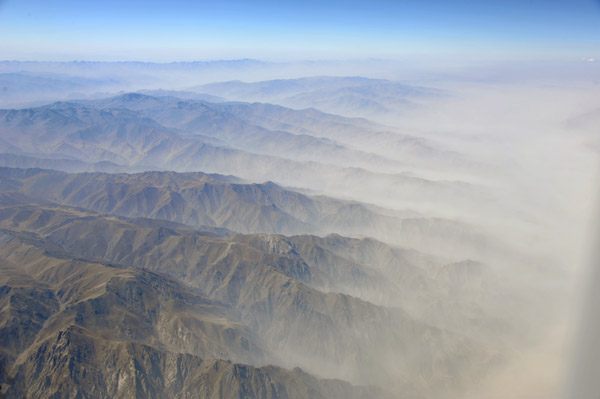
column 323, row 201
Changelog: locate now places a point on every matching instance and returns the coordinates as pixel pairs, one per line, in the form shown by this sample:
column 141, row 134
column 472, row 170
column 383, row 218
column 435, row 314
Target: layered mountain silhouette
column 82, row 290
column 339, row 95
column 180, row 244
column 73, row 130
column 352, row 158
column 215, row 200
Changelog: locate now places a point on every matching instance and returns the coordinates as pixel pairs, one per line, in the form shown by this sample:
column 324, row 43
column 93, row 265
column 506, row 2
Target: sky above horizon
column 185, row 30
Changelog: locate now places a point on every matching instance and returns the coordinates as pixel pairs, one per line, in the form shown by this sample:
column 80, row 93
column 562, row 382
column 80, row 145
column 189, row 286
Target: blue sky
column 184, row 30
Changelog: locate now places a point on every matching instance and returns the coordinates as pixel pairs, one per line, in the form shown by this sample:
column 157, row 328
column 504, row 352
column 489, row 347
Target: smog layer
column 250, row 229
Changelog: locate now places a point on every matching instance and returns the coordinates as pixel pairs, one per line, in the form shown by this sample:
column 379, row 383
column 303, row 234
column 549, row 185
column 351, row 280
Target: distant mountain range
column 351, row 96
column 30, row 83
column 192, row 121
column 353, row 158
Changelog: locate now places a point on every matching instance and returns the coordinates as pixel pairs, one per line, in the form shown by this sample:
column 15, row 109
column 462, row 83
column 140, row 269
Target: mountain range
column 135, row 132
column 351, row 96
column 256, row 240
column 258, row 299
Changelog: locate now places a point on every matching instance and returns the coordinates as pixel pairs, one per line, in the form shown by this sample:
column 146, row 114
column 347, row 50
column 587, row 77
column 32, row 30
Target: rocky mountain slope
column 199, row 199
column 254, row 298
column 78, row 328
